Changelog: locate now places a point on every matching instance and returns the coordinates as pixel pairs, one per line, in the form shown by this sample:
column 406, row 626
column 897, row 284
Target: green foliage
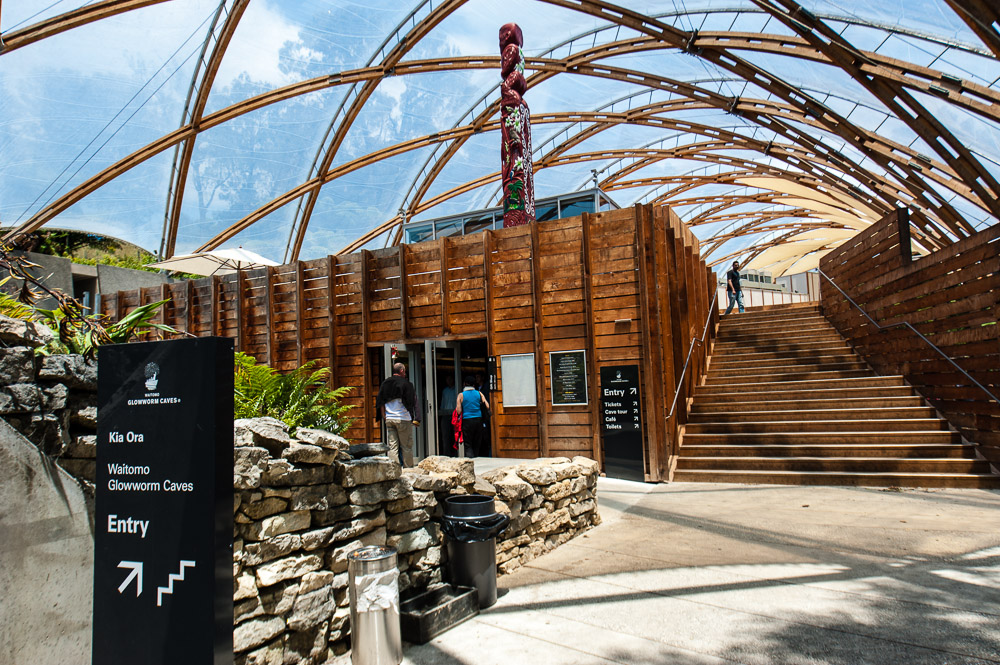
column 12, row 307
column 300, row 398
column 72, row 337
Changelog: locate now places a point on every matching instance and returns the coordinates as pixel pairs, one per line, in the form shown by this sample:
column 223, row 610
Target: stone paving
column 698, row 574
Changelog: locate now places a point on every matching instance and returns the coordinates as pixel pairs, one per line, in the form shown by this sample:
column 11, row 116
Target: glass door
column 413, row 358
column 443, row 378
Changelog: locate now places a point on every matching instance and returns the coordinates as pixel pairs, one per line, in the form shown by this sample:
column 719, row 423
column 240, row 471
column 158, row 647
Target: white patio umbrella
column 214, row 262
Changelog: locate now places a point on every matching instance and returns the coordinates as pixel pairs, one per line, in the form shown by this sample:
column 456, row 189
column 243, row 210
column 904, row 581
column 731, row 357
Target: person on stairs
column 733, row 289
column 472, row 404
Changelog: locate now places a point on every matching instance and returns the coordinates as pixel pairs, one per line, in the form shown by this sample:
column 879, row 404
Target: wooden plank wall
column 626, row 286
column 951, row 296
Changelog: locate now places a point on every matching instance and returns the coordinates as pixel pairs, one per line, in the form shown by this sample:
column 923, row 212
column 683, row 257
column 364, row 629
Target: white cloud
column 256, row 47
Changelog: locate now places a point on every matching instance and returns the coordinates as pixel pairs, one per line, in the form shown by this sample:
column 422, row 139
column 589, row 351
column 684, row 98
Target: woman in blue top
column 471, row 404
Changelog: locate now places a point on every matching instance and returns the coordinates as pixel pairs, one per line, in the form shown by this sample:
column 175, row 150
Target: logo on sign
column 619, row 375
column 152, row 376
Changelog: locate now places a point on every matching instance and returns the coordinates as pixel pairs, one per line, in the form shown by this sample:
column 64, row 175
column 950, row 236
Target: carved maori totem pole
column 515, row 132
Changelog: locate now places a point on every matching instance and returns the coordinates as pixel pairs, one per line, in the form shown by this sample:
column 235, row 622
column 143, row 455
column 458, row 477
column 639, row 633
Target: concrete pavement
column 699, row 574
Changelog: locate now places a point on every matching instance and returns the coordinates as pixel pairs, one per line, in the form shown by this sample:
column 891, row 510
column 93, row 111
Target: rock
column 17, row 365
column 511, row 488
column 82, row 414
column 431, row 482
column 281, row 473
column 537, row 474
column 287, row 568
column 55, row 397
column 336, row 558
column 417, row 499
column 566, row 471
column 21, row 398
column 269, row 433
column 418, row 539
column 255, row 632
column 307, row 454
column 269, row 654
column 367, row 471
column 313, row 540
column 257, row 510
column 317, row 497
column 15, row 332
column 588, row 467
column 317, row 580
column 244, row 586
column 83, row 447
column 75, row 371
column 322, row 438
column 340, row 514
column 407, row 521
column 495, row 475
column 464, row 468
column 255, row 554
column 483, row 487
column 277, row 525
column 378, row 493
column 48, row 431
column 312, row 609
column 558, row 490
column 249, row 465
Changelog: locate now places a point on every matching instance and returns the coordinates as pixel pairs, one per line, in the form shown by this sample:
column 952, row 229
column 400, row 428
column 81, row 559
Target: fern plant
column 75, row 338
column 300, row 398
column 12, row 307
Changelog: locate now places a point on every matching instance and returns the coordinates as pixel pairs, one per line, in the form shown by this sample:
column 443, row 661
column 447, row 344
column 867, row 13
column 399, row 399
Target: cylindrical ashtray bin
column 373, row 581
column 471, row 523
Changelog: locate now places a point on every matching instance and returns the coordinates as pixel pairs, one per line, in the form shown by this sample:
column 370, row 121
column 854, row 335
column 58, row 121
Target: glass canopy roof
column 777, row 129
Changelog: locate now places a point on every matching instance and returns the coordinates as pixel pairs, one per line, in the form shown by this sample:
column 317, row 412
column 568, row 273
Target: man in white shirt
column 397, row 406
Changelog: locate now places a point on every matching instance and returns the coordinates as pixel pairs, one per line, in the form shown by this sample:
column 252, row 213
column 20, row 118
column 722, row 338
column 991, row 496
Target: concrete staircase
column 787, row 401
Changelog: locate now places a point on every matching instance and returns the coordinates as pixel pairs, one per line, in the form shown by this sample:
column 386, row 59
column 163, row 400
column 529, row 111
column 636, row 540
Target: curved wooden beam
column 15, row 39
column 182, row 162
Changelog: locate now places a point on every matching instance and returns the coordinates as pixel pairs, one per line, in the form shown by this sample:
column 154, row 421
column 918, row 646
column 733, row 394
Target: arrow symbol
column 136, row 575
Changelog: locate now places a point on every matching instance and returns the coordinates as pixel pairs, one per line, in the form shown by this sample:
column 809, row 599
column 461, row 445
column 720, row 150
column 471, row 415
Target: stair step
column 787, row 400
column 783, row 336
column 840, row 464
column 810, row 438
column 727, row 329
column 899, row 450
column 782, row 360
column 835, row 412
column 898, row 479
column 716, row 372
column 763, row 427
column 772, row 387
column 783, row 377
column 703, row 407
column 710, row 395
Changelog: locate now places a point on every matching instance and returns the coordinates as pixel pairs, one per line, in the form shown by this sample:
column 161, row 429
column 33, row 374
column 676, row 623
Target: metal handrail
column 677, row 389
column 915, row 331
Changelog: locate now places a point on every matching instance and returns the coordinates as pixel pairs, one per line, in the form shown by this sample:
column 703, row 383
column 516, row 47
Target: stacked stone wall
column 303, row 504
column 51, row 400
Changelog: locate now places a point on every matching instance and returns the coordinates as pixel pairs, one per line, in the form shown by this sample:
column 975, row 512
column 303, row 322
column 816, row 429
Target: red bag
column 456, row 425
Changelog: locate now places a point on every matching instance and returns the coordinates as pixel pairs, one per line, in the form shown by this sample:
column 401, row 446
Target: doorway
column 436, row 369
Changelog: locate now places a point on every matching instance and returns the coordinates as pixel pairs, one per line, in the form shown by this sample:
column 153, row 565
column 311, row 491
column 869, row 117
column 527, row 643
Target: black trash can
column 472, row 524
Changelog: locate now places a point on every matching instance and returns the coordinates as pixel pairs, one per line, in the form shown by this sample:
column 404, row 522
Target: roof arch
column 737, row 137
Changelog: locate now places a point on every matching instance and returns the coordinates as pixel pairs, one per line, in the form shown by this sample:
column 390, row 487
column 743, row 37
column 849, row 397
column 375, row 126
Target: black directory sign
column 621, row 422
column 163, row 561
column 568, row 372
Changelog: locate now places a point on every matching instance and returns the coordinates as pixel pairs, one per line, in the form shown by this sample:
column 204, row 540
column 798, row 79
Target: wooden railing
column 627, row 286
column 951, row 296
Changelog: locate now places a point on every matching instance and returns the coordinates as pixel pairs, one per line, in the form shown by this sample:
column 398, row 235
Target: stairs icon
column 171, row 578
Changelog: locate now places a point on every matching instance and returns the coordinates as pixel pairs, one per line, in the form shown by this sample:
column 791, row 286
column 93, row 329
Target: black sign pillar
column 163, row 562
column 621, row 422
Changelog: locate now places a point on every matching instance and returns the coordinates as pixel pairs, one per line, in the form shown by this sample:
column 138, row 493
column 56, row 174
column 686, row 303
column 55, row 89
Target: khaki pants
column 399, row 436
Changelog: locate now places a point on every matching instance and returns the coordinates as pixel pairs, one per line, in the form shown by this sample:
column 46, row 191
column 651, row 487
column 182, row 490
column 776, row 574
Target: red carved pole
column 515, row 132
